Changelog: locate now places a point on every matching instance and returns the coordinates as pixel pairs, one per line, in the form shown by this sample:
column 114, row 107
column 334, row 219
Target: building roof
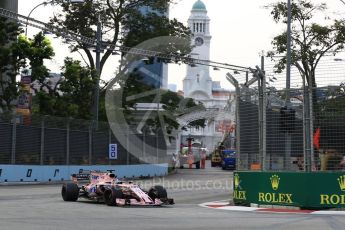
column 199, row 5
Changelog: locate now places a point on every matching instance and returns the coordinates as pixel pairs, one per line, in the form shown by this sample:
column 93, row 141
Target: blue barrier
column 35, row 173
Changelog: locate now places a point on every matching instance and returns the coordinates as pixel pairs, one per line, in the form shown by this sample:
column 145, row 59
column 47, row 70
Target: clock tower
column 198, row 83
column 199, row 86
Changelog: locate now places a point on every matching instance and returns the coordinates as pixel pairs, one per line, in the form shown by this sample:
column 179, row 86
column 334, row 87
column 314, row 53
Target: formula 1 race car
column 105, row 187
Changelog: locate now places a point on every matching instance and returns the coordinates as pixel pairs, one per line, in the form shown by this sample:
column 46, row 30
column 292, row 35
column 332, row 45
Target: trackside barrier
column 315, row 190
column 34, row 173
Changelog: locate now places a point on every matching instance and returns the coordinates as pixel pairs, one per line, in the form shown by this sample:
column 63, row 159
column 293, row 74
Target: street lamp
column 44, row 4
column 41, row 4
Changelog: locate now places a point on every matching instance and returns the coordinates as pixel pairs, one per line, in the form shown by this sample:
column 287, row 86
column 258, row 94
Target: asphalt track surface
column 40, row 207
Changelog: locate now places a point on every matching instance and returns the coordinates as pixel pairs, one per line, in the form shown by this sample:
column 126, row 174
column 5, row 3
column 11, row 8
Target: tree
column 122, row 23
column 72, row 95
column 11, row 59
column 310, row 40
column 77, row 87
column 36, row 51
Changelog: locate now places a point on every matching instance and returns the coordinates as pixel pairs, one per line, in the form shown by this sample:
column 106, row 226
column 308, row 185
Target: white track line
column 224, row 205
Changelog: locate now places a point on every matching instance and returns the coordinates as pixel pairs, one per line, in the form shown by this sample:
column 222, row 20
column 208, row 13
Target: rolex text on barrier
column 305, row 190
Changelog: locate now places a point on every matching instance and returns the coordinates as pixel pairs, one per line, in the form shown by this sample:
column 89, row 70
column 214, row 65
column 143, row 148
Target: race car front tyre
column 158, row 191
column 110, row 196
column 70, row 192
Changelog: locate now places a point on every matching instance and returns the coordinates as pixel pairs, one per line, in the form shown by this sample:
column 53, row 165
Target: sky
column 241, row 31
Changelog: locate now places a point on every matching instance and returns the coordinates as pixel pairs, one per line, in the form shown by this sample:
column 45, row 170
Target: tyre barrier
column 55, row 173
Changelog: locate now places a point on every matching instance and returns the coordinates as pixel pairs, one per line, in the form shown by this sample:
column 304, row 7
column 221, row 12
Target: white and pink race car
column 104, row 186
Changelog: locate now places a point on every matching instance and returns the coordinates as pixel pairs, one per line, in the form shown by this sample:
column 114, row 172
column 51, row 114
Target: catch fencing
column 64, row 141
column 302, row 128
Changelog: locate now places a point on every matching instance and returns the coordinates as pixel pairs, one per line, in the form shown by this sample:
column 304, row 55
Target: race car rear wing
column 87, row 175
column 82, row 176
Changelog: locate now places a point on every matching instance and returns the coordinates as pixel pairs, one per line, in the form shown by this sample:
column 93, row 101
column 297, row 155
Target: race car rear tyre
column 70, row 192
column 110, row 196
column 158, row 191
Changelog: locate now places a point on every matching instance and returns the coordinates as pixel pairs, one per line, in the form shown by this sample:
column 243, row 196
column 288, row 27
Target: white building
column 198, row 83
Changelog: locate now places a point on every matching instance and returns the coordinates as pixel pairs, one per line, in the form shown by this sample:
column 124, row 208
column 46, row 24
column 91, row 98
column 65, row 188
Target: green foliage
column 15, row 51
column 134, row 86
column 330, row 118
column 310, row 40
column 331, row 106
column 11, row 60
column 72, row 96
column 78, row 87
column 122, row 23
column 37, row 50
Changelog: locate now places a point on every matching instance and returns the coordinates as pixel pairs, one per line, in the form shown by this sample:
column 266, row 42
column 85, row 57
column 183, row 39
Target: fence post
column 260, row 110
column 14, row 140
column 238, row 128
column 157, row 146
column 144, row 144
column 235, row 83
column 311, row 123
column 109, row 141
column 127, row 146
column 308, row 148
column 42, row 141
column 306, row 129
column 264, row 114
column 90, row 142
column 67, row 141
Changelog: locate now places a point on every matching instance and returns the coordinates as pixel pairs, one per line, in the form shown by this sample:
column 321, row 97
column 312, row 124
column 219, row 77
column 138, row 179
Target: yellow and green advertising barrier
column 305, row 190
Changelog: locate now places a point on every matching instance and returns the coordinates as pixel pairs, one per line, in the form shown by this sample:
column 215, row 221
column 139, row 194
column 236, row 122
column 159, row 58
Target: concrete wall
column 35, row 173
